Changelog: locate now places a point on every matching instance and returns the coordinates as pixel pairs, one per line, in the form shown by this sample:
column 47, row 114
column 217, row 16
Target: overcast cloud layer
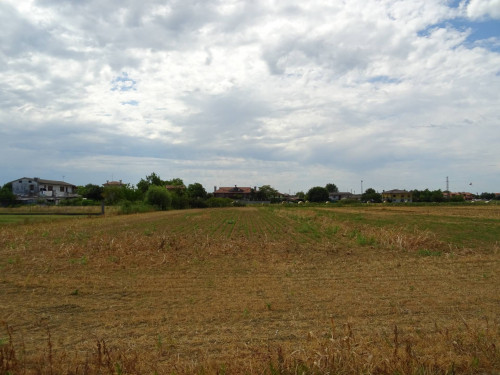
column 399, row 94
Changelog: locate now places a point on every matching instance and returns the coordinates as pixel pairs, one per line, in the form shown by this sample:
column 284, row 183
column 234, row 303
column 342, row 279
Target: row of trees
column 321, row 194
column 152, row 191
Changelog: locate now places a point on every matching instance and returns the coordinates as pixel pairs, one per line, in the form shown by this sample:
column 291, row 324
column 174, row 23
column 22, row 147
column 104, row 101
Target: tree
column 457, row 198
column 487, row 196
column 174, row 182
column 370, row 195
column 6, row 196
column 113, row 194
column 196, row 191
column 318, row 194
column 301, row 195
column 159, row 196
column 437, row 196
column 332, row 188
column 266, row 193
column 153, row 179
column 91, row 191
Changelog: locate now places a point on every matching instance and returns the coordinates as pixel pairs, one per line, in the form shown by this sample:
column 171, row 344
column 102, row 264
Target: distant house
column 235, row 192
column 467, row 196
column 397, row 196
column 113, row 183
column 177, row 188
column 31, row 189
column 339, row 195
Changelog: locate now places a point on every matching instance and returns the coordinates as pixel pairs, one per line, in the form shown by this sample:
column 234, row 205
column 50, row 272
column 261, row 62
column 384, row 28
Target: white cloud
column 289, row 94
column 477, row 9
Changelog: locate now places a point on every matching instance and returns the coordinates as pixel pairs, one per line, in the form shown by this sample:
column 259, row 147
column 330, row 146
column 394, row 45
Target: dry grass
column 245, row 291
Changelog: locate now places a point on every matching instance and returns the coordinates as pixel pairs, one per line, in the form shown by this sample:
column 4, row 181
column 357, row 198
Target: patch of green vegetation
column 83, row 260
column 31, row 219
column 331, row 231
column 473, row 232
column 150, row 231
column 15, row 260
column 365, row 241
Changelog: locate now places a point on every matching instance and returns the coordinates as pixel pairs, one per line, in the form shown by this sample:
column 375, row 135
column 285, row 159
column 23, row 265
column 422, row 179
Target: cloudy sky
column 397, row 93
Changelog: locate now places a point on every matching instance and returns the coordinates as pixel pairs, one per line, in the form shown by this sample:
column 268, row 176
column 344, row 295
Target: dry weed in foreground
column 461, row 349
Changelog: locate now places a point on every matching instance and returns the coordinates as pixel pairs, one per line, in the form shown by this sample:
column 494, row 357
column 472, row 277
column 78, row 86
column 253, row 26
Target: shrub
column 318, row 194
column 128, row 207
column 179, row 201
column 197, row 203
column 219, row 202
column 159, row 197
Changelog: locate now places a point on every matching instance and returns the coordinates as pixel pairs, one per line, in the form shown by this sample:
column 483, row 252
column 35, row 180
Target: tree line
column 152, row 192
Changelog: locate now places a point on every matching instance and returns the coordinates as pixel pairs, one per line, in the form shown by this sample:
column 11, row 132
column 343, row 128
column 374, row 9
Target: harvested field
column 254, row 290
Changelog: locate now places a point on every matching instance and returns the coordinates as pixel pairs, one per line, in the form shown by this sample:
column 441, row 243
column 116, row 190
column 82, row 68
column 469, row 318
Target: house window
column 32, row 187
column 50, row 188
column 61, row 189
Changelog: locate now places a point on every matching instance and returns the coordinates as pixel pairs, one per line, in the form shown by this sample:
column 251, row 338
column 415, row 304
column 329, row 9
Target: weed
column 365, row 241
column 83, row 260
column 429, row 253
column 118, row 368
column 159, row 343
column 150, row 231
column 74, row 292
column 331, row 231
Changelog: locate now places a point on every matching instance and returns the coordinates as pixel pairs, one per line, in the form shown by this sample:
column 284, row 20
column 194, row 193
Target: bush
column 197, row 203
column 7, row 198
column 219, row 202
column 128, row 207
column 179, row 201
column 318, row 194
column 159, row 197
column 79, row 202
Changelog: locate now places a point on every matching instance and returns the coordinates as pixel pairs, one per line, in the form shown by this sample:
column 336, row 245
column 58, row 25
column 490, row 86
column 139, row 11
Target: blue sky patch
column 134, row 103
column 123, row 83
column 486, row 33
column 383, row 79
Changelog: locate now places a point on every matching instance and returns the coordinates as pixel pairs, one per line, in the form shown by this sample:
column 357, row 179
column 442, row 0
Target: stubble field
column 254, row 290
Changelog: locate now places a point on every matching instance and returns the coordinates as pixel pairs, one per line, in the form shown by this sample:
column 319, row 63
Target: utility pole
column 361, row 186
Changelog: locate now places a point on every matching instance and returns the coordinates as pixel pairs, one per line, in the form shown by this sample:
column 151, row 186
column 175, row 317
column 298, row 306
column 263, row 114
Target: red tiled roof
column 233, row 190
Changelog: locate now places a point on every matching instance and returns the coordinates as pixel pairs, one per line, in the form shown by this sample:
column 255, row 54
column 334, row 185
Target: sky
column 383, row 94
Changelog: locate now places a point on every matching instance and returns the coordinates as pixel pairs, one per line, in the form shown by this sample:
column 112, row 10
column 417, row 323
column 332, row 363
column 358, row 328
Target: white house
column 31, row 189
column 339, row 195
